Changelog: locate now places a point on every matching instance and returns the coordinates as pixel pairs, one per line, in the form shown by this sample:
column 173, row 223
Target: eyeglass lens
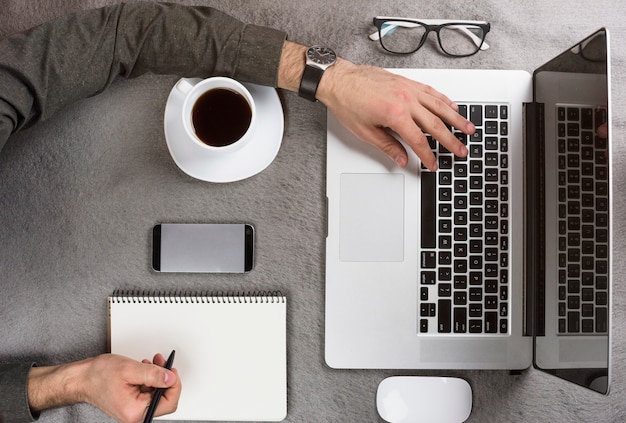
column 454, row 39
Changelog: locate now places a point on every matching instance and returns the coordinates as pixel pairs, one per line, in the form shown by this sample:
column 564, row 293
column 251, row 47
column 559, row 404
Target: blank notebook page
column 230, row 350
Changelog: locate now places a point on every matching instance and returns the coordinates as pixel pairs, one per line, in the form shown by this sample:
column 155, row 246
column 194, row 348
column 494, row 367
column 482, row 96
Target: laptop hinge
column 534, row 306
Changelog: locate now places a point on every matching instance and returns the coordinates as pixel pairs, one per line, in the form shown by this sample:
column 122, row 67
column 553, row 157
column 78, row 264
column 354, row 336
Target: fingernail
column 168, row 377
column 400, row 161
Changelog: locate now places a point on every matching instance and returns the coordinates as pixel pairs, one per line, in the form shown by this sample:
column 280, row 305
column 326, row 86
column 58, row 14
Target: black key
column 445, row 210
column 573, row 302
column 460, row 170
column 504, row 112
column 460, row 186
column 445, row 258
column 445, row 162
column 491, row 175
column 491, row 127
column 429, row 212
column 445, row 178
column 476, row 310
column 504, row 326
column 445, row 273
column 429, row 259
column 504, row 128
column 475, row 326
column 428, row 277
column 587, row 310
column 476, row 214
column 460, row 320
column 491, row 322
column 476, row 114
column 491, row 159
column 463, row 110
column 476, row 294
column 491, row 112
column 460, row 282
column 477, row 136
column 423, row 325
column 601, row 319
column 491, row 301
column 460, row 298
column 504, row 145
column 573, row 113
column 444, row 310
column 504, row 293
column 445, row 226
column 476, row 151
column 460, row 218
column 445, row 290
column 445, row 194
column 586, row 118
column 573, row 322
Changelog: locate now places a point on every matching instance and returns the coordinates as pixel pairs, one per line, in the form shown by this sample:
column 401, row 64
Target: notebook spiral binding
column 145, row 296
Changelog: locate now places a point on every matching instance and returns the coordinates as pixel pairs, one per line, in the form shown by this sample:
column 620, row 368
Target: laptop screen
column 569, row 214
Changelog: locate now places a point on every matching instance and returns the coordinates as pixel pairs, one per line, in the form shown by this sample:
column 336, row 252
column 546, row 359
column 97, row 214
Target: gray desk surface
column 81, row 192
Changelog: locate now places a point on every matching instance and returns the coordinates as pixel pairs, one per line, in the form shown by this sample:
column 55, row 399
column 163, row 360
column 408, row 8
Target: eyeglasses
column 406, row 36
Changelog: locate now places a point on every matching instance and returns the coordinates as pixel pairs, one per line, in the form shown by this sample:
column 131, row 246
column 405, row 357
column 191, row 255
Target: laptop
column 500, row 260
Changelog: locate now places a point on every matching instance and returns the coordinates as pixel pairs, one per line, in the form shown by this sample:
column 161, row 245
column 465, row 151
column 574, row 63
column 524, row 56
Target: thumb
column 152, row 376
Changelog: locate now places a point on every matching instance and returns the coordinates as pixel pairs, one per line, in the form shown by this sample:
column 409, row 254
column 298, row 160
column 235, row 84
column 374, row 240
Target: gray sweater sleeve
column 77, row 56
column 13, row 393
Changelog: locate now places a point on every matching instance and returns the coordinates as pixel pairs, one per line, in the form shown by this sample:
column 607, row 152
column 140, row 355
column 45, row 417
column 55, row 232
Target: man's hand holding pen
column 121, row 387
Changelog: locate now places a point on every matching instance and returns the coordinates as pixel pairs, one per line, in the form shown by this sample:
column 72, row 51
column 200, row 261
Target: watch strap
column 310, row 80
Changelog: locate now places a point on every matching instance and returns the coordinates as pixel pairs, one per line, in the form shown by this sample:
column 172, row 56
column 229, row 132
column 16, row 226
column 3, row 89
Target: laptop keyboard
column 583, row 225
column 464, row 243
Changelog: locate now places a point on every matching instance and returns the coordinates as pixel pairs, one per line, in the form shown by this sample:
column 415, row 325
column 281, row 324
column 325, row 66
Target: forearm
column 56, row 386
column 77, row 56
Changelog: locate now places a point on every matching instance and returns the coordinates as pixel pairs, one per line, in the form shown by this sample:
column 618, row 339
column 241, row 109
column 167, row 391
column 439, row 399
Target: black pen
column 158, row 393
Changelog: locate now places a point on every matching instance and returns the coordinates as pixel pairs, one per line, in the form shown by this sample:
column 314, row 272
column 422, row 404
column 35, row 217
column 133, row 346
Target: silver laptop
column 496, row 261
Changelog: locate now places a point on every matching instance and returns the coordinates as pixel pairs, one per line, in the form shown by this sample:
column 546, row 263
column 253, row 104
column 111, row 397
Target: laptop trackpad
column 371, row 217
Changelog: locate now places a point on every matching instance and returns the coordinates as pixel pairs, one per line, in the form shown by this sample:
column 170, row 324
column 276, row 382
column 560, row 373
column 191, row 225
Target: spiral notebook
column 231, row 350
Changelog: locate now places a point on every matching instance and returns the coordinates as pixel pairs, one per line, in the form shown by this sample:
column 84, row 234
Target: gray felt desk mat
column 81, row 192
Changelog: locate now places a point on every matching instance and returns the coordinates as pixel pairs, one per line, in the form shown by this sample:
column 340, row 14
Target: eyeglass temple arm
column 391, row 26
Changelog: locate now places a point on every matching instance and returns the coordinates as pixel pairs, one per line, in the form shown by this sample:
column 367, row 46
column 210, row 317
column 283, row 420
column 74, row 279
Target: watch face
column 321, row 55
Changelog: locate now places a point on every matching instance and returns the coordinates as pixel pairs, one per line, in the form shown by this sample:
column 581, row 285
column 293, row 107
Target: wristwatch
column 318, row 59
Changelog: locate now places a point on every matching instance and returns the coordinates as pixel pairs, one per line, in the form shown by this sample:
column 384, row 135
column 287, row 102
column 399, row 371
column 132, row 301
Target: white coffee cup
column 221, row 118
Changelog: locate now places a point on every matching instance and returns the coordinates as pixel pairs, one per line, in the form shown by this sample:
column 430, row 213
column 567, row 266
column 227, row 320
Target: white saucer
column 247, row 161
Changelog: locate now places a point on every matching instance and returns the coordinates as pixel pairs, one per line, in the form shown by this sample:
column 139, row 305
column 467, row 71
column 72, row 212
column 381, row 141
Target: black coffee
column 220, row 117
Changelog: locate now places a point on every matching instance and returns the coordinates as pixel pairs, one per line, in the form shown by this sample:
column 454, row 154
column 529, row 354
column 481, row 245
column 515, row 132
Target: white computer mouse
column 412, row 399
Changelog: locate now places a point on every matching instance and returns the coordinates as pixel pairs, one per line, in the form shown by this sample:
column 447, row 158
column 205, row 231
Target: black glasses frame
column 379, row 22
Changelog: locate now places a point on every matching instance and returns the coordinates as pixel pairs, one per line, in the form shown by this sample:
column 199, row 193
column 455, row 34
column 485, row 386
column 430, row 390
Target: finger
column 150, row 375
column 415, row 138
column 159, row 360
column 430, row 91
column 169, row 401
column 386, row 143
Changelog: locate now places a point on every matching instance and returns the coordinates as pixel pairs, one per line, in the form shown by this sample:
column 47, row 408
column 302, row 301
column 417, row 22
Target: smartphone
column 202, row 248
